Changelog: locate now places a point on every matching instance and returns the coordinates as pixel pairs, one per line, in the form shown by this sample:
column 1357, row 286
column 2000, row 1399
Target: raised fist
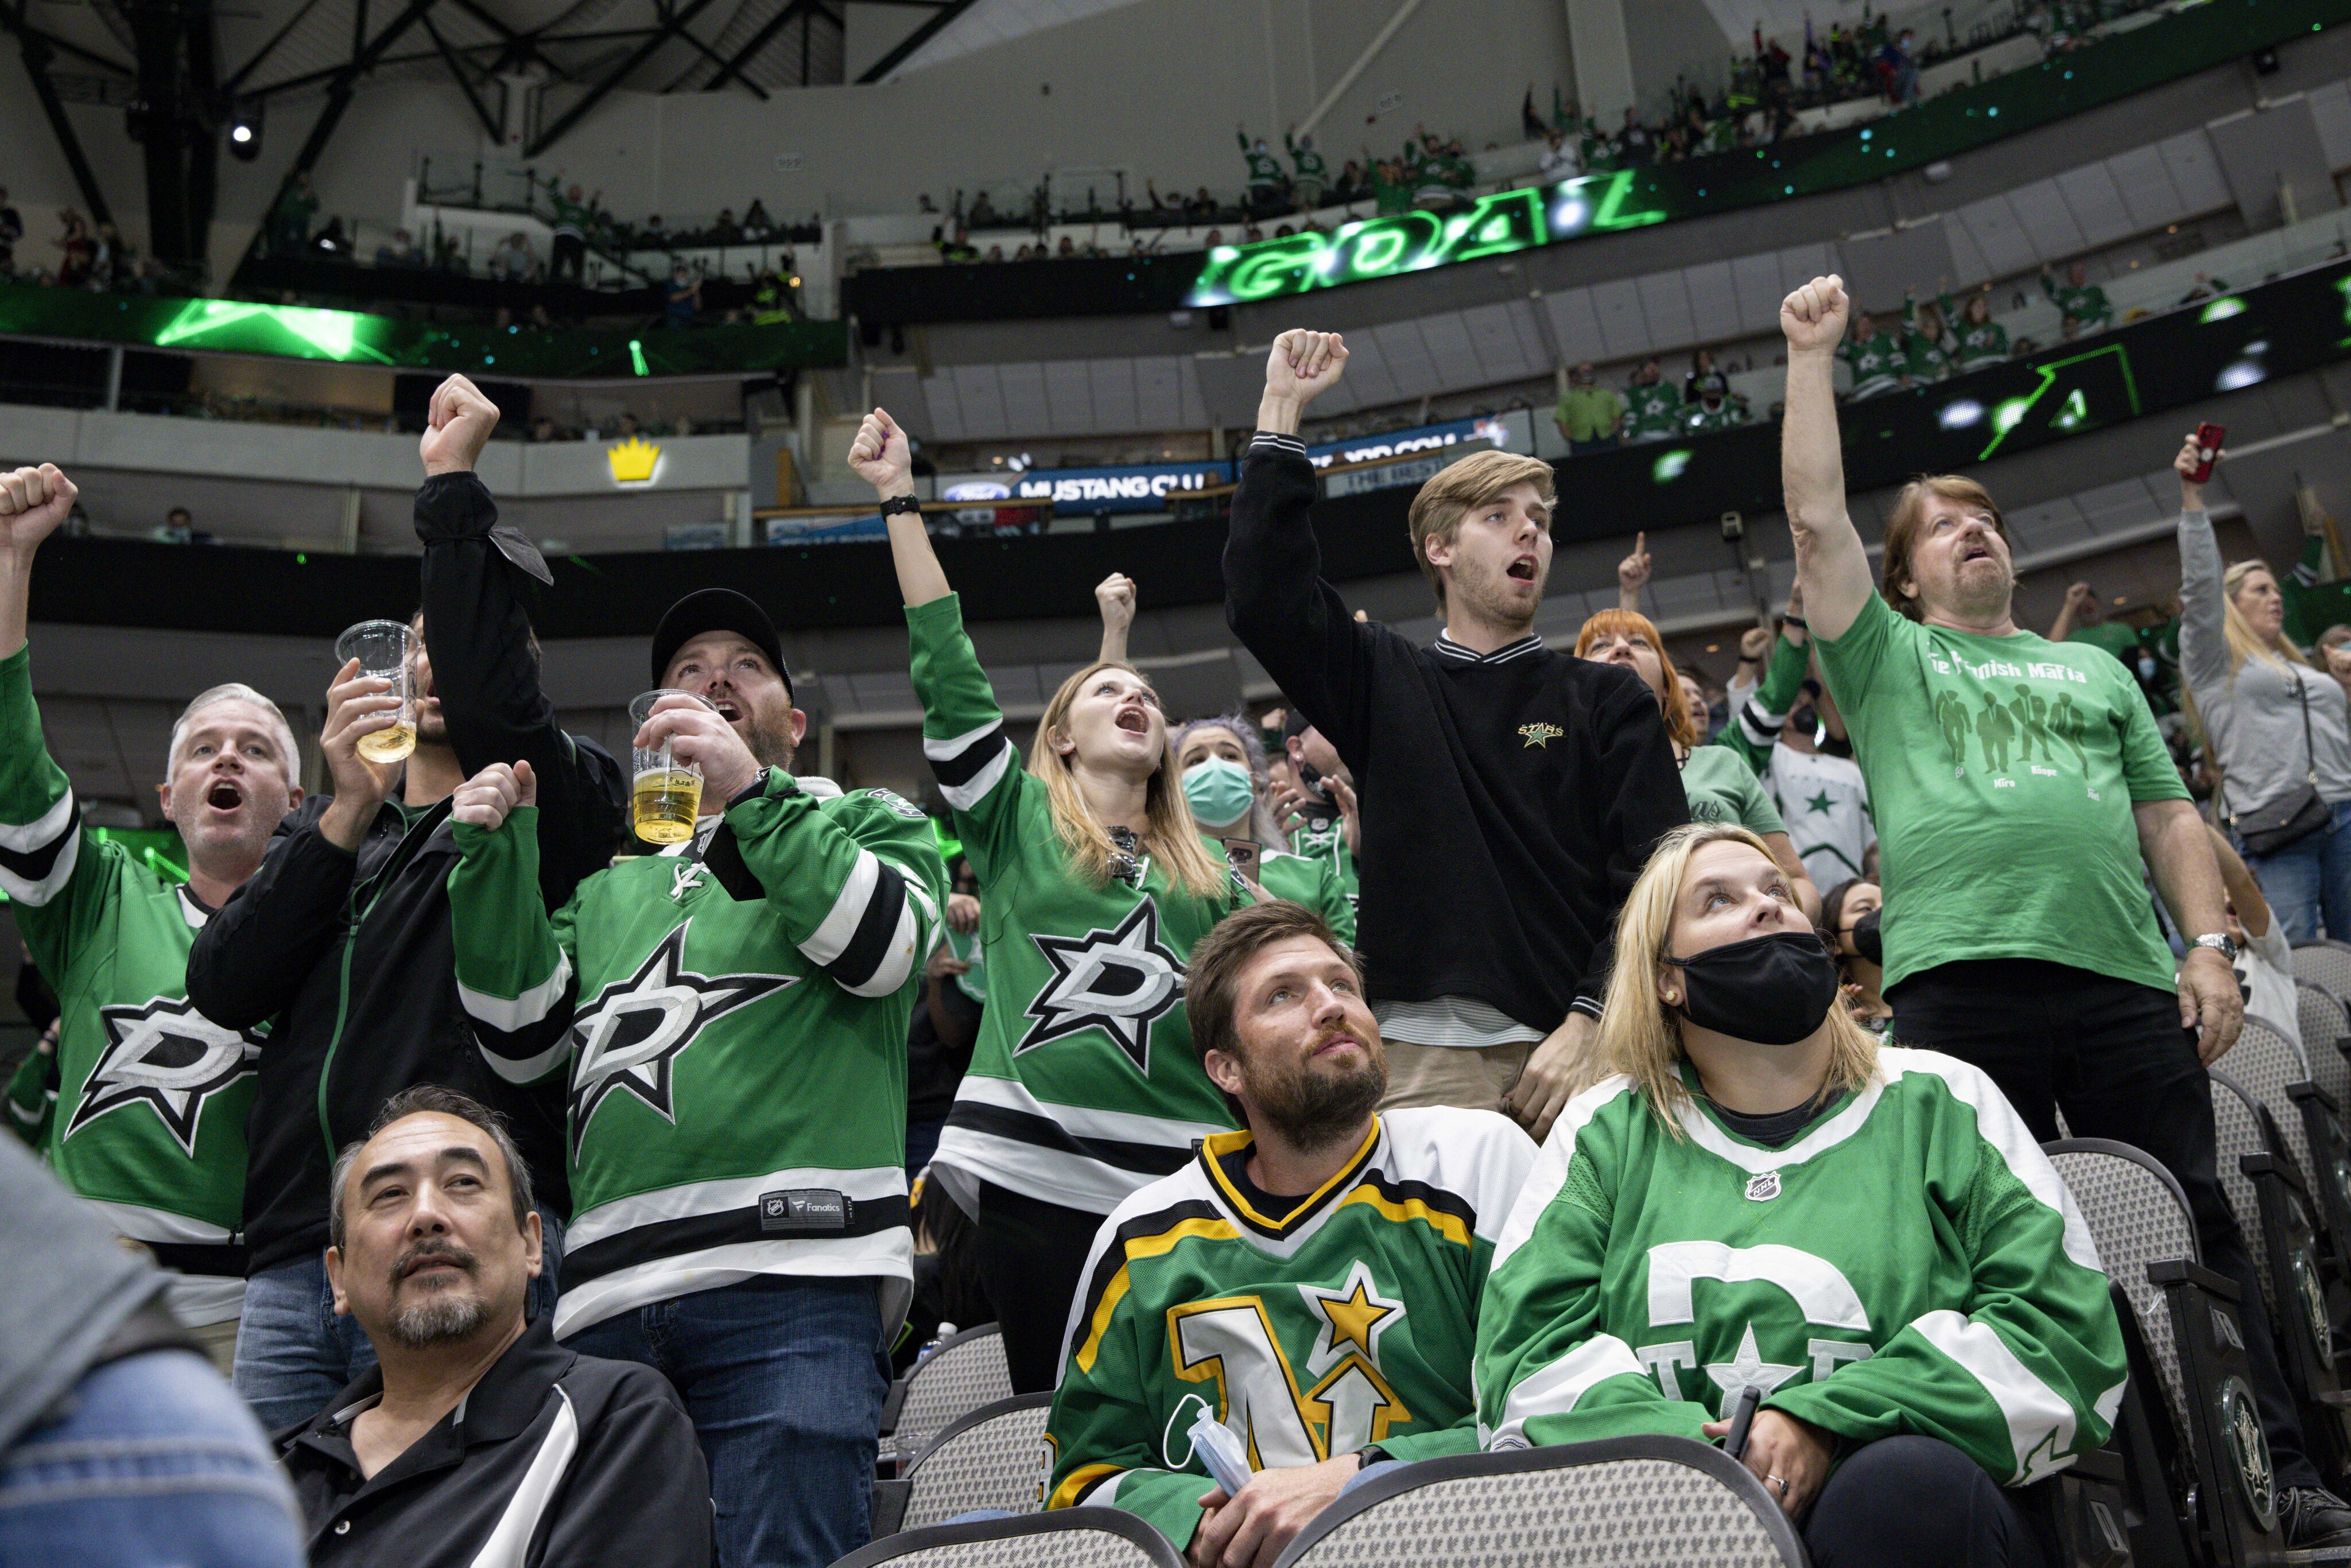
column 1814, row 317
column 883, row 456
column 33, row 502
column 1304, row 365
column 457, row 425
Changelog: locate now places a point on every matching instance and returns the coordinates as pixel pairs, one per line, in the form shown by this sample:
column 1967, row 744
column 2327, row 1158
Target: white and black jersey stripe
column 39, row 858
column 968, row 765
column 522, row 1040
column 1446, row 647
column 869, row 939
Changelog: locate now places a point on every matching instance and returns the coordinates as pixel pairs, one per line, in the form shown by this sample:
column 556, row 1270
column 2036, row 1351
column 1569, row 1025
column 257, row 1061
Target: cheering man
column 2021, row 792
column 1509, row 793
column 149, row 1125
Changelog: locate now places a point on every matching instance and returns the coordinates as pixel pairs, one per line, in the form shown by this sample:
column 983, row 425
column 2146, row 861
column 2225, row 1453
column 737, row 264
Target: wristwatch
column 2218, row 942
column 903, row 503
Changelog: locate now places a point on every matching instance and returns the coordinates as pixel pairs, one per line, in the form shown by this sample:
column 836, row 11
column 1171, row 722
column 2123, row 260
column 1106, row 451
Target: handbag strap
column 2309, row 750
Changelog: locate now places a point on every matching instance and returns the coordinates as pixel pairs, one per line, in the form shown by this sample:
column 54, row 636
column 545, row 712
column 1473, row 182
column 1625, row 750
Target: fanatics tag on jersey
column 806, row 1208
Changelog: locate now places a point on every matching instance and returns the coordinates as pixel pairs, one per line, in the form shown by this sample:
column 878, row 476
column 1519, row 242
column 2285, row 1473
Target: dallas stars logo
column 1119, row 982
column 631, row 1037
column 168, row 1056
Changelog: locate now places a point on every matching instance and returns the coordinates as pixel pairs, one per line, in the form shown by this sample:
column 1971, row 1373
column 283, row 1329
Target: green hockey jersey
column 730, row 1016
column 1652, row 411
column 1910, row 1263
column 1326, row 841
column 1312, row 883
column 1347, row 1321
column 1878, row 365
column 1084, row 1084
column 149, row 1123
column 1263, row 168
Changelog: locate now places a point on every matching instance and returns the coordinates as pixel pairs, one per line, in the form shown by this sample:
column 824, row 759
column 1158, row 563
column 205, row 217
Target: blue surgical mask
column 1219, row 790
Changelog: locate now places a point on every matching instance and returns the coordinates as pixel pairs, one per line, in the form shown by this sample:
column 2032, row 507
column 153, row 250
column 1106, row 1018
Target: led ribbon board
column 350, row 337
column 1498, row 224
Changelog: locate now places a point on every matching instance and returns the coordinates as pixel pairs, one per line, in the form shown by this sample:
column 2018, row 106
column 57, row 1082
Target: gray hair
column 235, row 692
column 423, row 1099
column 1243, row 729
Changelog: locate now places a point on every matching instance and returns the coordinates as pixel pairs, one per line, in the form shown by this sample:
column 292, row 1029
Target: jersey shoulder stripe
column 1126, row 1240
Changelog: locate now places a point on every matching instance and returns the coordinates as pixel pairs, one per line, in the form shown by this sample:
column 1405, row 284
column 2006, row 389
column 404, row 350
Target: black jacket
column 352, row 955
column 1509, row 801
column 618, row 1478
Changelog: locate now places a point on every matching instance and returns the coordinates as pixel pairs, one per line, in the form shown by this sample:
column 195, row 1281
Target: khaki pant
column 219, row 1341
column 1473, row 1078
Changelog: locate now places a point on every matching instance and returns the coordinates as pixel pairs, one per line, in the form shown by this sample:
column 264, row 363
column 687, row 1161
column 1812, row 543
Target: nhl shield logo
column 1763, row 1188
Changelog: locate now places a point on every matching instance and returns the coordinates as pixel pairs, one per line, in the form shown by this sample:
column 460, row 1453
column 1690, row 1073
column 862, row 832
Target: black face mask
column 1773, row 990
column 1865, row 938
column 1807, row 720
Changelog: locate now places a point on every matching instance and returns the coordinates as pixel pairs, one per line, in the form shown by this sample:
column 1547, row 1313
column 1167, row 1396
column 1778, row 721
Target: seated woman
column 1717, row 780
column 1762, row 1195
column 1849, row 925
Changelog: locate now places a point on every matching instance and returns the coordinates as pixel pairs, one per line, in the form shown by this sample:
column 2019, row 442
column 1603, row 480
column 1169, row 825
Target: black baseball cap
column 717, row 609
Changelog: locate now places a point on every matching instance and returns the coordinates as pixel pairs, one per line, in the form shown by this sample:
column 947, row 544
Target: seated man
column 1760, row 1195
column 1311, row 1281
column 477, row 1438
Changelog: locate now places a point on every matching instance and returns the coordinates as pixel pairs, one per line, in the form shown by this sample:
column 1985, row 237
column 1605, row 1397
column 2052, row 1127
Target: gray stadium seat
column 965, row 1373
column 2325, row 1024
column 2269, row 1067
column 2180, row 1329
column 2327, row 965
column 1666, row 1501
column 1067, row 1537
column 993, row 1458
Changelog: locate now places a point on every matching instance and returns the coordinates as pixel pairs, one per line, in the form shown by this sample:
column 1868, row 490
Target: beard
column 1480, row 590
column 1314, row 1110
column 770, row 739
column 442, row 1316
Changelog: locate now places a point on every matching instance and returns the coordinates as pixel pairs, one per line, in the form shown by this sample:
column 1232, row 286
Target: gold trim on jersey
column 1216, row 1147
column 1079, row 1482
column 1151, row 1246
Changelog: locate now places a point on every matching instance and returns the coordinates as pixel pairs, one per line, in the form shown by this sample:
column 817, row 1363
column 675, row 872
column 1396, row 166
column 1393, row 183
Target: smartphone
column 1742, row 1417
column 1317, row 806
column 1242, row 855
column 2208, row 438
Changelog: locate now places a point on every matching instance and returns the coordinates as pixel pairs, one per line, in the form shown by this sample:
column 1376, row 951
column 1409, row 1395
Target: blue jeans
column 149, row 1459
column 783, row 1376
column 2309, row 880
column 294, row 1353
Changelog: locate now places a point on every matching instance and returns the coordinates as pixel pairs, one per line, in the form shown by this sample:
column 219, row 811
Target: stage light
column 244, row 131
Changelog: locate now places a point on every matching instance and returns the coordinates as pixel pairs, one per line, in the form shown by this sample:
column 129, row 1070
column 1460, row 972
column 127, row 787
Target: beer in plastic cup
column 383, row 647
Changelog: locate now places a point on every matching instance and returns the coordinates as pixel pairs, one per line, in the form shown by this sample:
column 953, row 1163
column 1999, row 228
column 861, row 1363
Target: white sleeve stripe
column 527, row 1069
column 28, row 837
column 2040, row 1421
column 897, row 961
column 530, row 1007
column 2005, row 1132
column 964, row 797
column 1554, row 1389
column 39, row 892
column 949, row 748
column 1549, row 1173
column 832, row 935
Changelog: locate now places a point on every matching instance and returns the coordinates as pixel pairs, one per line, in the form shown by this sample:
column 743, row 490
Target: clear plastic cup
column 383, row 649
column 665, row 794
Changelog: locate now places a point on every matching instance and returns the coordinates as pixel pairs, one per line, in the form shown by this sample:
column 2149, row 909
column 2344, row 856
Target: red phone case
column 2209, row 439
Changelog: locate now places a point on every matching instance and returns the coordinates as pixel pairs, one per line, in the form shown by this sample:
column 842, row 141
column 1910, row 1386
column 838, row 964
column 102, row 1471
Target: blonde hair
column 1910, row 515
column 1670, row 702
column 1639, row 1037
column 1437, row 510
column 2243, row 643
column 1172, row 835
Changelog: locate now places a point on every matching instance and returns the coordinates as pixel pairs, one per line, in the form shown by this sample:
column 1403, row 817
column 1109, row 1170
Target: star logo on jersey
column 1120, row 981
column 1819, row 802
column 1748, row 1369
column 1351, row 1319
column 631, row 1037
column 167, row 1056
column 1540, row 735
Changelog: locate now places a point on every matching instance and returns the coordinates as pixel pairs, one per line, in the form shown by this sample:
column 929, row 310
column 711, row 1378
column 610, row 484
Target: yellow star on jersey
column 1352, row 1319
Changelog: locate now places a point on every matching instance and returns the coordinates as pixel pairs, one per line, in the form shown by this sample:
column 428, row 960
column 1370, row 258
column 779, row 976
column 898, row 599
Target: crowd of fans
column 539, row 1141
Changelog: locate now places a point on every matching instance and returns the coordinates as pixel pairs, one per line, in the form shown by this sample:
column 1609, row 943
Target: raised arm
column 883, row 457
column 2076, row 597
column 513, row 974
column 484, row 662
column 1115, row 595
column 1633, row 575
column 1830, row 561
column 2203, row 642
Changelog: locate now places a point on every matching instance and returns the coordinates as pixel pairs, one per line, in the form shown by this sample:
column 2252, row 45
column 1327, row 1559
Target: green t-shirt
column 1721, row 788
column 1590, row 414
column 2112, row 636
column 2003, row 771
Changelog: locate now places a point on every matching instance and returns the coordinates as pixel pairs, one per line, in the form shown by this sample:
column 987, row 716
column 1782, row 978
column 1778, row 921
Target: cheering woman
column 1094, row 884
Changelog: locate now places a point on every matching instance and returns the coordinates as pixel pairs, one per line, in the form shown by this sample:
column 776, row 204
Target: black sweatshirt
column 1509, row 802
column 567, row 1461
column 351, row 954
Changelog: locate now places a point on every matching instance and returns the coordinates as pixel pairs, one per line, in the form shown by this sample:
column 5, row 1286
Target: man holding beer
column 729, row 1017
column 342, row 937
